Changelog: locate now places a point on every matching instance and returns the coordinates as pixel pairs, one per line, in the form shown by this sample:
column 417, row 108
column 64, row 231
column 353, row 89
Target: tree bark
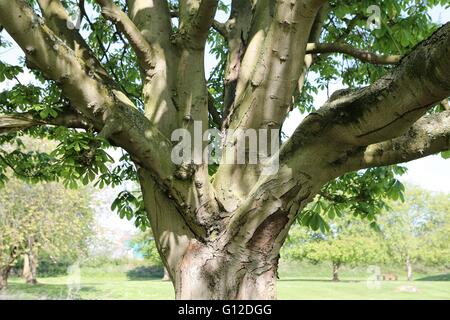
column 30, row 268
column 4, row 274
column 409, row 272
column 30, row 262
column 219, row 269
column 206, row 273
column 336, row 266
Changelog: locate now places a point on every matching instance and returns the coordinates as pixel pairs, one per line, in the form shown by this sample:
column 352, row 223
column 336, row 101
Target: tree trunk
column 4, row 274
column 210, row 275
column 409, row 275
column 30, row 268
column 166, row 276
column 220, row 257
column 336, row 266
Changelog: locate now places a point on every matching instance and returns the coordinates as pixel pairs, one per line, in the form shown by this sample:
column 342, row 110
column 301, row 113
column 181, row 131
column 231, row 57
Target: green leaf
column 445, row 154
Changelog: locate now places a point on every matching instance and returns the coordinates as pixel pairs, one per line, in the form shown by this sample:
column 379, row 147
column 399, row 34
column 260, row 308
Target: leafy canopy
column 82, row 158
column 33, row 216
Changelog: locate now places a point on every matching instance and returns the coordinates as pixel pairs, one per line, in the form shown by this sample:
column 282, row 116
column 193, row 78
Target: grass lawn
column 308, row 284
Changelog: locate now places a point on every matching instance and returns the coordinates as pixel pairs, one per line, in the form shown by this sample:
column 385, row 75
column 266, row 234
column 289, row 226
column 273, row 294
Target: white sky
column 432, row 172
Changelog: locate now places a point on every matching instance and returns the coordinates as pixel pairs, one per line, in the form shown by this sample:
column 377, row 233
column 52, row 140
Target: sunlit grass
column 296, row 282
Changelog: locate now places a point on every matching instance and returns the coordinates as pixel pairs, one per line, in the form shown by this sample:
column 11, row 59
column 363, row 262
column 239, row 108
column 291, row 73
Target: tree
column 132, row 75
column 418, row 229
column 46, row 218
column 347, row 243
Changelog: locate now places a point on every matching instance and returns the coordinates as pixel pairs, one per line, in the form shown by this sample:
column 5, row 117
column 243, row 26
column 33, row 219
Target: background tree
column 418, row 229
column 43, row 218
column 134, row 72
column 351, row 243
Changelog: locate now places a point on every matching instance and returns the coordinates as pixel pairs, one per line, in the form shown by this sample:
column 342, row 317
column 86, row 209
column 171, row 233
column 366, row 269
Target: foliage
column 57, row 220
column 363, row 194
column 70, row 164
column 419, row 228
column 348, row 242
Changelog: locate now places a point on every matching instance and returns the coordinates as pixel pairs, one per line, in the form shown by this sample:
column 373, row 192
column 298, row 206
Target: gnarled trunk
column 208, row 273
column 215, row 253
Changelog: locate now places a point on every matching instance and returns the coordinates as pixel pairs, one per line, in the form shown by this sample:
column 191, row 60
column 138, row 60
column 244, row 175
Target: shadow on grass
column 438, row 277
column 42, row 291
column 145, row 273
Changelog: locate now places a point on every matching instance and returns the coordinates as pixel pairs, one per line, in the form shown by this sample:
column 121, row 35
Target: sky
column 432, row 173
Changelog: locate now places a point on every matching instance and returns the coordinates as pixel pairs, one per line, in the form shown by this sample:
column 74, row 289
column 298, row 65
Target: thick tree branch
column 21, row 121
column 314, row 36
column 58, row 19
column 267, row 80
column 387, row 108
column 429, row 135
column 365, row 56
column 238, row 25
column 270, row 67
column 196, row 17
column 152, row 18
column 106, row 108
column 316, row 29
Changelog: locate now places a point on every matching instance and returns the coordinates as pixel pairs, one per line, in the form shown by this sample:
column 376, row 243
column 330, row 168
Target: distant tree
column 41, row 218
column 346, row 243
column 418, row 229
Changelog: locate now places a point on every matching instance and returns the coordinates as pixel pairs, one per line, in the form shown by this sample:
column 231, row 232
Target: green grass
column 296, row 282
